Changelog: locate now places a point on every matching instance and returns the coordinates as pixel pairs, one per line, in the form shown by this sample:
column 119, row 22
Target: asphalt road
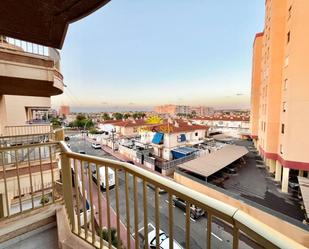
column 221, row 234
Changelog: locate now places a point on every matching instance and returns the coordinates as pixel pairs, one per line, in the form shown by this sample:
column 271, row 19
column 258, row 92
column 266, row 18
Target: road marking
column 216, row 236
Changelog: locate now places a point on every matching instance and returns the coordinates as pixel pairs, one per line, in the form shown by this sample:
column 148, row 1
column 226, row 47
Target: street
column 221, row 234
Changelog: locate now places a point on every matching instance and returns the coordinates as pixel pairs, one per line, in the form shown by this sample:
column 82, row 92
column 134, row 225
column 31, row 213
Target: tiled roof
column 172, row 128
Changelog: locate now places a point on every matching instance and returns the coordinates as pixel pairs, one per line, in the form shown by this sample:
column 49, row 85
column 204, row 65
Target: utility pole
column 113, row 138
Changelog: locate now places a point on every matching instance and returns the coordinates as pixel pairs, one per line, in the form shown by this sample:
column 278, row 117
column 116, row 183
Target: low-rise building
column 224, row 121
column 164, row 138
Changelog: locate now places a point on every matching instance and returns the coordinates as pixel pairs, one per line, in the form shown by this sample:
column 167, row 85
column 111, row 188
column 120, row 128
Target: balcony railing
column 126, row 207
column 27, row 47
column 19, row 130
column 28, row 177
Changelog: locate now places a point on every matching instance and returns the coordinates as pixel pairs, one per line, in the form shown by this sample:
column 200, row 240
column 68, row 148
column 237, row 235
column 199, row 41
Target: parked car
column 66, row 138
column 82, row 152
column 161, row 191
column 163, row 240
column 217, row 178
column 111, row 178
column 230, row 171
column 195, row 212
column 293, row 182
column 96, row 145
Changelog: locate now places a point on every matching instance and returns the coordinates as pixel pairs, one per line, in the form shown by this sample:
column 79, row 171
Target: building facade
column 283, row 104
column 64, row 110
column 184, row 110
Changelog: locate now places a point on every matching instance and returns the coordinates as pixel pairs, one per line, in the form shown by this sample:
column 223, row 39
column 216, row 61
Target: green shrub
column 44, row 200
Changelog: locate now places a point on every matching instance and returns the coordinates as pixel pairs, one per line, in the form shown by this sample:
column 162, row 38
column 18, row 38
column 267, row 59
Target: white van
column 111, row 177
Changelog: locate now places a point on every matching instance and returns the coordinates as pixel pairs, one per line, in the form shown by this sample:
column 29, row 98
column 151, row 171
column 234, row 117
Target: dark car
column 293, row 182
column 217, row 178
column 230, row 171
column 82, row 152
column 195, row 212
column 66, row 138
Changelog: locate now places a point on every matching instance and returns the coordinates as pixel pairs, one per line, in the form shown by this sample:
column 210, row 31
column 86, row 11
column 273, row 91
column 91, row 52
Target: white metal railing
column 27, row 47
column 131, row 188
column 33, row 48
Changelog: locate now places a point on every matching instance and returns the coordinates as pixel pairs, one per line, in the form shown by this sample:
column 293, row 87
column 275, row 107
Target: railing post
column 59, row 135
column 67, row 187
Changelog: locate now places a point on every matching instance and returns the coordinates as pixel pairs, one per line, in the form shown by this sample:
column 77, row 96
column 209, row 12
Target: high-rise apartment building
column 64, row 110
column 280, row 99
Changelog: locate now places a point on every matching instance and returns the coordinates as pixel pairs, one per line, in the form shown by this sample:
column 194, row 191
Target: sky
column 139, row 53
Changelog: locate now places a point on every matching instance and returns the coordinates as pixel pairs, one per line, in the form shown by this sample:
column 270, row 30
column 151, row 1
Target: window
column 281, row 149
column 282, row 128
column 285, row 86
column 288, row 38
column 196, row 134
column 284, row 106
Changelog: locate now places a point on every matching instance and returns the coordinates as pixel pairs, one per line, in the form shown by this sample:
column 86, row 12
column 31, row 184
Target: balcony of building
column 49, row 193
column 29, row 69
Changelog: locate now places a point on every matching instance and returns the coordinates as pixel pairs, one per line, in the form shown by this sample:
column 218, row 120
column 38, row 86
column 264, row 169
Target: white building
column 164, row 138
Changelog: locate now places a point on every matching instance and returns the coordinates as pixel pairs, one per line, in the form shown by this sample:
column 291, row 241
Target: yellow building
column 280, row 100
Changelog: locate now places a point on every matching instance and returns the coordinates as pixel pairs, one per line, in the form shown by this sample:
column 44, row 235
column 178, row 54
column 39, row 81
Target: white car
column 96, row 145
column 164, row 241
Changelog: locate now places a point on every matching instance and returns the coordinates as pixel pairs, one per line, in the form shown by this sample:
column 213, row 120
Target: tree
column 106, row 116
column 117, row 115
column 55, row 122
column 138, row 115
column 126, row 115
column 82, row 122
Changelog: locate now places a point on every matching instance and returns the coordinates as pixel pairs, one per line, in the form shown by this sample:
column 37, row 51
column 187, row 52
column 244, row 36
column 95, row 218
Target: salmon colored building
column 280, row 99
column 255, row 86
column 64, row 110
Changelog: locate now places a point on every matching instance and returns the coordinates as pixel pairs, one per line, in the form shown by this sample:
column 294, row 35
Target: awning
column 182, row 152
column 304, row 188
column 211, row 163
column 157, row 138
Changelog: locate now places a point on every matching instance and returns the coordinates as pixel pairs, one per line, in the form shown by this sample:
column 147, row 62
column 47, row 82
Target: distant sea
column 111, row 109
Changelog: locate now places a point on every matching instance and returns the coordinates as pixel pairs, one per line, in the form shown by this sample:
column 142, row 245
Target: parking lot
column 253, row 182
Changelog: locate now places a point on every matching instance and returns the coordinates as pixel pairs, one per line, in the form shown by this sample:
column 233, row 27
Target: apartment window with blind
column 282, row 128
column 288, row 37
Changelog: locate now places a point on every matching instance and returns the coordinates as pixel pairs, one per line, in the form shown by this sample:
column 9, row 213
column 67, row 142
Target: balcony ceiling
column 43, row 21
